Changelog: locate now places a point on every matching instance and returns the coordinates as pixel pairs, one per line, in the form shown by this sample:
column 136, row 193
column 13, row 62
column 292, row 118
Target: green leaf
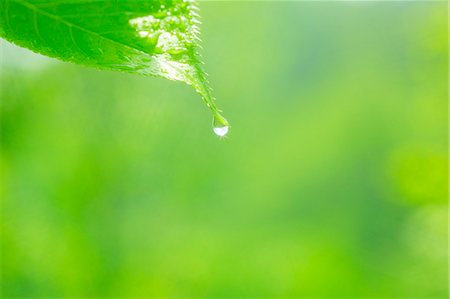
column 149, row 37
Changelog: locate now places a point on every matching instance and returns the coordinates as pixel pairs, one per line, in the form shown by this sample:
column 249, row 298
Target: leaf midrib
column 36, row 9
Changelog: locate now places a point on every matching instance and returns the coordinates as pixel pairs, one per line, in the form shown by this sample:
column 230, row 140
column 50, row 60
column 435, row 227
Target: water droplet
column 221, row 131
column 169, row 43
column 220, row 125
column 170, row 23
column 143, row 33
column 145, row 23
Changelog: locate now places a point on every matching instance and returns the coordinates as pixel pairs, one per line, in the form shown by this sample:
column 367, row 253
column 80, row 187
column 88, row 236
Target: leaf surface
column 149, row 37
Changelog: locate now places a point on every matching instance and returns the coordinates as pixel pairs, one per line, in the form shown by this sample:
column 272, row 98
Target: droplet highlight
column 221, row 131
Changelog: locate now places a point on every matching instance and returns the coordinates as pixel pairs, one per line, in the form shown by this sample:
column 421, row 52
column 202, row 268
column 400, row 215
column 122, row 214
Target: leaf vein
column 67, row 23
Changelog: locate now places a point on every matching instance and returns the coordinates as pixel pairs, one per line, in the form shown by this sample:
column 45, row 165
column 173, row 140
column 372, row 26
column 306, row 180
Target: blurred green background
column 332, row 181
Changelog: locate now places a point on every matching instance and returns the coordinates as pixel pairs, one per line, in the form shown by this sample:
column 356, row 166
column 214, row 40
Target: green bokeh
column 332, row 181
